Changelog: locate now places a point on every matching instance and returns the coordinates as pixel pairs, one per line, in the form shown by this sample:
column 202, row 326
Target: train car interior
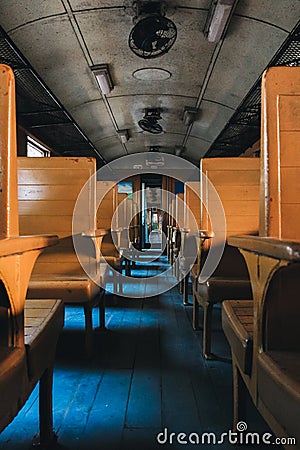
column 149, row 224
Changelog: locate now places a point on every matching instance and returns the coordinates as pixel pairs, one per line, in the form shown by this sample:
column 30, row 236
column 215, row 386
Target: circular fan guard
column 152, row 36
column 150, row 124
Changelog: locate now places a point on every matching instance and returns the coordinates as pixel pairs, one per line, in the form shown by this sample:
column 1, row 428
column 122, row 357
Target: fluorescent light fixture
column 218, row 19
column 103, row 78
column 123, row 135
column 189, row 115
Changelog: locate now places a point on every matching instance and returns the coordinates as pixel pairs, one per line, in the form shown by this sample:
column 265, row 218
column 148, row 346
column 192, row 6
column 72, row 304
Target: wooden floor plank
column 144, row 405
column 105, row 422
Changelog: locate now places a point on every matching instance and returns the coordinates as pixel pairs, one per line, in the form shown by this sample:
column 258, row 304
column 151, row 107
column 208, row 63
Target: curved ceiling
column 63, row 39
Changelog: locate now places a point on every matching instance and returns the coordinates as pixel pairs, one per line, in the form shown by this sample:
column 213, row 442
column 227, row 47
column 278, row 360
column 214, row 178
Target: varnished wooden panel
column 239, row 208
column 107, row 206
column 229, row 164
column 233, row 177
column 179, row 209
column 237, row 183
column 290, row 141
column 51, row 176
column 53, row 207
column 62, row 227
column 192, row 200
column 48, row 190
column 42, row 192
column 241, row 192
column 290, row 186
column 290, row 221
column 8, row 182
column 280, row 151
column 289, row 106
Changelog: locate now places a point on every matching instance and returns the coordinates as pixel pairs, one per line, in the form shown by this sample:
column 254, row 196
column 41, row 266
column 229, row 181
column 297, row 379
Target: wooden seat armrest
column 96, row 237
column 274, row 248
column 95, row 233
column 185, row 230
column 21, row 244
column 205, row 234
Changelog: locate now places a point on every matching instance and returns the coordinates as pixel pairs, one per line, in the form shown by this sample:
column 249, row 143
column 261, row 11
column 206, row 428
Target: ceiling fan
column 150, row 123
column 154, row 34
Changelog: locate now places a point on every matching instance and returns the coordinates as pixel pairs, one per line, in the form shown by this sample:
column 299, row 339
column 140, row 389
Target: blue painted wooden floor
column 147, row 376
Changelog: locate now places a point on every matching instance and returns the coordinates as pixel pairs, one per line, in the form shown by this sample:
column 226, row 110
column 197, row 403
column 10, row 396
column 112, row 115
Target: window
column 125, row 187
column 35, row 149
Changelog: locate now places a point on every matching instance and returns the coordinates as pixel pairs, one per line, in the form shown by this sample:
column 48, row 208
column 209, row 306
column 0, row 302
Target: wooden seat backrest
column 48, row 190
column 192, row 205
column 179, row 210
column 17, row 257
column 236, row 181
column 9, row 223
column 280, row 200
column 106, row 191
column 280, row 195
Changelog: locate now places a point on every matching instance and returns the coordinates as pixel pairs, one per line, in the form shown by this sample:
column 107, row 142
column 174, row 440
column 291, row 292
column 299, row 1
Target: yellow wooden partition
column 25, row 358
column 106, row 190
column 280, row 195
column 192, row 204
column 48, row 190
column 274, row 266
column 237, row 182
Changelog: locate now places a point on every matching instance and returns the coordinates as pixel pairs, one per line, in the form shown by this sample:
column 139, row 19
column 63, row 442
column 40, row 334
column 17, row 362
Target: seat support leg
column 88, row 312
column 102, row 310
column 195, row 312
column 207, row 328
column 47, row 435
column 186, row 290
column 239, row 395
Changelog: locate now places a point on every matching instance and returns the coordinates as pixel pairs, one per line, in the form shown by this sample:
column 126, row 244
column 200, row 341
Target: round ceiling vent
column 152, row 36
column 152, row 74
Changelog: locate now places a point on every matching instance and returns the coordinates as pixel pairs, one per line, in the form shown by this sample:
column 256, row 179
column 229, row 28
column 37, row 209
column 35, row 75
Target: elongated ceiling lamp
column 218, row 19
column 103, row 78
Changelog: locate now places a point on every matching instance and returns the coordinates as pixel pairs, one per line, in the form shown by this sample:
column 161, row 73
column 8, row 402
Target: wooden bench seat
column 22, row 364
column 72, row 271
column 73, row 288
column 273, row 260
column 237, row 323
column 43, row 321
column 278, row 379
column 13, row 371
column 229, row 281
column 235, row 183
